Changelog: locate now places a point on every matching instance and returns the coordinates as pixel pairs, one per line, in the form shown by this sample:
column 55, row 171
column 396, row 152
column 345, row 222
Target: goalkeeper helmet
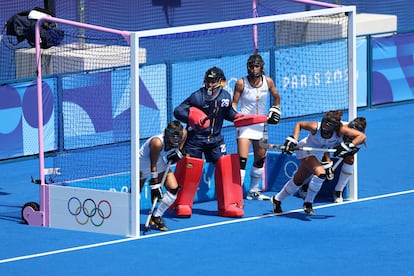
column 214, row 80
column 331, row 122
column 214, row 74
column 255, row 61
column 359, row 123
column 173, row 135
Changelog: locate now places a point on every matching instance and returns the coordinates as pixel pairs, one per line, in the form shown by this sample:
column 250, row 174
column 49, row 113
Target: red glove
column 197, row 118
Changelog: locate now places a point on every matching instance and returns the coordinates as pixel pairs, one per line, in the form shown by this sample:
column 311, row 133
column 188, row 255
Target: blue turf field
column 371, row 236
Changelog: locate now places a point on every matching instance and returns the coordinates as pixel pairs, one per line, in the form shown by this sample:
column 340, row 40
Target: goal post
column 93, row 70
column 352, row 92
column 110, row 95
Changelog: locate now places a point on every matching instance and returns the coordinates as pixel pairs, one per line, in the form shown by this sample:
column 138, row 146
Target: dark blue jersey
column 217, row 110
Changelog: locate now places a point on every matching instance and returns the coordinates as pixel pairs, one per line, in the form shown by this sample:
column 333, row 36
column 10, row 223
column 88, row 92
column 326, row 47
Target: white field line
column 54, row 252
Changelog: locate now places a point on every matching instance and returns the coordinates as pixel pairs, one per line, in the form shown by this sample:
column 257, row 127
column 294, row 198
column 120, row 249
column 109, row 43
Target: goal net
column 309, row 55
column 112, row 90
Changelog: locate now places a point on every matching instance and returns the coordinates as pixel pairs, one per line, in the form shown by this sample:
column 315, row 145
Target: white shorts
column 252, row 132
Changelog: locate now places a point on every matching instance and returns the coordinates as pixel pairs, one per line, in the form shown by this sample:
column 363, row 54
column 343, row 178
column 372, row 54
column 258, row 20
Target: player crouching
column 156, row 155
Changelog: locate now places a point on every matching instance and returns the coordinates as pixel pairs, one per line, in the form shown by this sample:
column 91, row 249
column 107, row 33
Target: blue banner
column 282, row 167
column 307, row 85
column 393, row 68
column 19, row 128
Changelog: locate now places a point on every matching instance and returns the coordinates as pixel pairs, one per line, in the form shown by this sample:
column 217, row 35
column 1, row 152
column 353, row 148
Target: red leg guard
column 188, row 173
column 229, row 191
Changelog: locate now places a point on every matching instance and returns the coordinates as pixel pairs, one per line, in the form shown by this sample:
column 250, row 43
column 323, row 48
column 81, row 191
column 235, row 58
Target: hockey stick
column 164, row 177
column 337, row 163
column 265, row 145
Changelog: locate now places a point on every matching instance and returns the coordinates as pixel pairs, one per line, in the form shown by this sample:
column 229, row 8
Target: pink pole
column 255, row 36
column 44, row 193
column 43, row 207
column 317, row 3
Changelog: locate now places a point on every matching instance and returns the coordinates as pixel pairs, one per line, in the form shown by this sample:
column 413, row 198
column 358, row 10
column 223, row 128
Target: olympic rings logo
column 89, row 211
column 290, row 168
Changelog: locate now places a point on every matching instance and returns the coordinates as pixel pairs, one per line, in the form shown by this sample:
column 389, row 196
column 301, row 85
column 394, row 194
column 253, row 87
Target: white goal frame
column 333, row 9
column 41, row 217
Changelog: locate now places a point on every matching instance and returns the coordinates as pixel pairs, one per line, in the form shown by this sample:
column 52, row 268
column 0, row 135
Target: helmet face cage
column 214, row 75
column 255, row 61
column 329, row 125
column 174, row 134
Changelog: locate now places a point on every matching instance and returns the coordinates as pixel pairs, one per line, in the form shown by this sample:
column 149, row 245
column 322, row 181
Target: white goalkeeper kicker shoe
column 338, row 197
column 256, row 195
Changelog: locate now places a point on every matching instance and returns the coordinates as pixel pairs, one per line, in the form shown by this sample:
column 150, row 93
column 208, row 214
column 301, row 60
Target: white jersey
column 316, row 141
column 144, row 158
column 253, row 100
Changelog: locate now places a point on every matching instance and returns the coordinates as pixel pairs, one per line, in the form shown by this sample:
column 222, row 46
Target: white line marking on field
column 54, row 252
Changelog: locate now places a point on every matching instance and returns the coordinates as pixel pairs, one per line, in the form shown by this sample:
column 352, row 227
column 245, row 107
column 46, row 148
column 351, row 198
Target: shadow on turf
column 301, row 216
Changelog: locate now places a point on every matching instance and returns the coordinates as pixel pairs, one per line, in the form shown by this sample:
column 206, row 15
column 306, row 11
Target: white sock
column 256, row 174
column 345, row 175
column 314, row 186
column 289, row 188
column 167, row 200
column 242, row 176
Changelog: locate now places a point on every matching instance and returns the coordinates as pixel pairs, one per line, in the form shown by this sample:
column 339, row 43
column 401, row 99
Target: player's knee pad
column 243, row 162
column 256, row 172
column 259, row 163
column 174, row 191
column 322, row 176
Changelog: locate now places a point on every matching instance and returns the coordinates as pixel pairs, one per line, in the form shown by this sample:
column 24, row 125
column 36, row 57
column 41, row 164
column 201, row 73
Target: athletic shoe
column 257, row 195
column 307, row 207
column 277, row 205
column 158, row 223
column 338, row 197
